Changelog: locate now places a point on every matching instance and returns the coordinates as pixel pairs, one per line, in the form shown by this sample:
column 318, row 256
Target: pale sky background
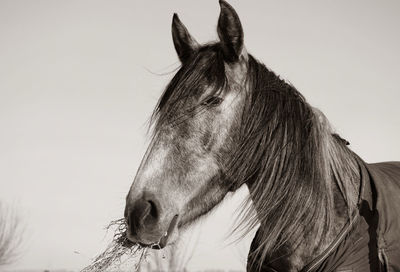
column 78, row 84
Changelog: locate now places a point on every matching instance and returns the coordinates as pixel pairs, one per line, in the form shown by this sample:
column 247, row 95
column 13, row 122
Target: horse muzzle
column 148, row 224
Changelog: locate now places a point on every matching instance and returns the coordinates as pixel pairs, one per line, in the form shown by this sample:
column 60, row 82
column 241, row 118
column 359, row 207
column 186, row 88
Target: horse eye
column 213, row 101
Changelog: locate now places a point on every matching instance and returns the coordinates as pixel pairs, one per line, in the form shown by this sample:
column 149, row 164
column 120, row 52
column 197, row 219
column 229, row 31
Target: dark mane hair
column 288, row 157
column 286, row 153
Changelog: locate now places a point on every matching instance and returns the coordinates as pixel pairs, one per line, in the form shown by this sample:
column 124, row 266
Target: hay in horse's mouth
column 119, row 246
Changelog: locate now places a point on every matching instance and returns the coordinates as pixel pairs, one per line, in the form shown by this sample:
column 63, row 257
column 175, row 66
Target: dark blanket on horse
column 386, row 177
column 372, row 241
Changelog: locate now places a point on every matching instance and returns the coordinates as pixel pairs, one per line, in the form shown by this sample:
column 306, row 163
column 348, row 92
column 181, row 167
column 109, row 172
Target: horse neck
column 345, row 177
column 343, row 174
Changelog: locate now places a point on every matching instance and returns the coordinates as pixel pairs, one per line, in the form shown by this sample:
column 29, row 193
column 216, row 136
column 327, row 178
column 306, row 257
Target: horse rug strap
column 371, row 241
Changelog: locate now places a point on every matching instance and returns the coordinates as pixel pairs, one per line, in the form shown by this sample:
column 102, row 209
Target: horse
column 225, row 120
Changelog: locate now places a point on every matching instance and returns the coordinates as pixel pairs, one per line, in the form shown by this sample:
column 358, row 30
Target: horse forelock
column 203, row 71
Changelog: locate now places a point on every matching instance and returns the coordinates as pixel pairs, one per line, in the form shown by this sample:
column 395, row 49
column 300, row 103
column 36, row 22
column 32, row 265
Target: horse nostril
column 144, row 215
column 153, row 209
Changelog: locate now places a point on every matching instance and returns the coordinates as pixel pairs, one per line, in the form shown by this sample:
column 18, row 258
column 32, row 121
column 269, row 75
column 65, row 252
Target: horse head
column 185, row 171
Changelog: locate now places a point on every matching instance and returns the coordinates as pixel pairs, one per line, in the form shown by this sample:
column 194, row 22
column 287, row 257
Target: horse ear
column 230, row 32
column 184, row 44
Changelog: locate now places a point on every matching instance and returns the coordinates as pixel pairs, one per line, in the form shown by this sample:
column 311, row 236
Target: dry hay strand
column 119, row 247
column 11, row 235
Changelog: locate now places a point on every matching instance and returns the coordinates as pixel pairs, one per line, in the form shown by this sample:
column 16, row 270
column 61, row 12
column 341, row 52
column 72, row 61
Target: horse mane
column 291, row 161
column 287, row 152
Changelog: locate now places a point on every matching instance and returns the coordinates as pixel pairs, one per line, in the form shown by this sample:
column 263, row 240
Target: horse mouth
column 157, row 245
column 163, row 241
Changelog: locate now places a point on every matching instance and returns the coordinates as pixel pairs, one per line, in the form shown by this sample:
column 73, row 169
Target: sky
column 79, row 80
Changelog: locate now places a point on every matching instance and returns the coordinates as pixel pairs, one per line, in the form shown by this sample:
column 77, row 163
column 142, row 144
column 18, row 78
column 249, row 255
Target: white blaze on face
column 155, row 162
column 150, row 166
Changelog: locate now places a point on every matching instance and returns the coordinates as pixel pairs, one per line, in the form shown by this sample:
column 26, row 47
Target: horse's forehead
column 236, row 72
